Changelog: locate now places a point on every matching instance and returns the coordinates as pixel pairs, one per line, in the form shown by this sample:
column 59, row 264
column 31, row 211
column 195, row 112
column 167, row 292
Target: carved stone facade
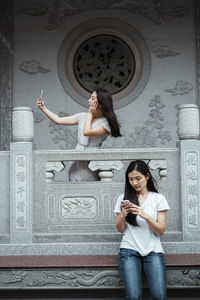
column 6, row 49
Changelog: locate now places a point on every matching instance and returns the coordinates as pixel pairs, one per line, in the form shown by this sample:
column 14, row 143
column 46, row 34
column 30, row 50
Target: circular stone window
column 104, row 61
column 107, row 53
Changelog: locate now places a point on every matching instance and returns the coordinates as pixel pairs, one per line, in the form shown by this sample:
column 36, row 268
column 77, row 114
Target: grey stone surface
column 85, row 278
column 4, row 196
column 170, row 37
column 21, row 190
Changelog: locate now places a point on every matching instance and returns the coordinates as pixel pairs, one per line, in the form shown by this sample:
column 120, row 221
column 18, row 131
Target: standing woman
column 141, row 216
column 93, row 128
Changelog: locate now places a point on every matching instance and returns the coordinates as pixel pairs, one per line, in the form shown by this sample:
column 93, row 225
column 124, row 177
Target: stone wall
column 162, row 37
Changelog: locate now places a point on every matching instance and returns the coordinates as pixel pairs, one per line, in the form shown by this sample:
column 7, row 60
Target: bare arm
column 70, row 120
column 158, row 226
column 88, row 130
column 95, row 131
column 121, row 217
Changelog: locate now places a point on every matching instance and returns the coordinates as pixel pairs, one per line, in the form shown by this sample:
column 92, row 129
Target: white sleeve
column 162, row 203
column 78, row 116
column 117, row 208
column 105, row 125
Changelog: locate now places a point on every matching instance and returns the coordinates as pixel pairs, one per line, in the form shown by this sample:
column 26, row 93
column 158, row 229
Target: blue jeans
column 130, row 267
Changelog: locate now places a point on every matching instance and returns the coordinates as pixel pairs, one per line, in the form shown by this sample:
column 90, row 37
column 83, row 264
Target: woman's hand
column 93, row 107
column 40, row 103
column 137, row 210
column 126, row 208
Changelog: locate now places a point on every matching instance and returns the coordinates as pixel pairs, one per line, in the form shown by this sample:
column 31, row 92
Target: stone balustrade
column 57, row 217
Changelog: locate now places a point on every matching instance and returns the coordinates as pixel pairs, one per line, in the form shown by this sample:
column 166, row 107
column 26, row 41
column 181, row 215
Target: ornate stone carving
column 104, row 61
column 63, row 278
column 83, row 278
column 32, row 67
column 192, row 188
column 154, row 11
column 20, row 192
column 181, row 88
column 64, row 136
column 185, row 278
column 78, row 207
column 34, row 10
column 152, row 132
column 163, row 51
column 124, row 91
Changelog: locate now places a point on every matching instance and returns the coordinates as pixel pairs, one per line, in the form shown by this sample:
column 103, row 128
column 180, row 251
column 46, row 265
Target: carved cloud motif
column 181, row 88
column 32, row 67
column 162, row 51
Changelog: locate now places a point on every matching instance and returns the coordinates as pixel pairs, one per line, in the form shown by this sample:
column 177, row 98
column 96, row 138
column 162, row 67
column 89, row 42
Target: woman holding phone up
column 93, row 128
column 141, row 216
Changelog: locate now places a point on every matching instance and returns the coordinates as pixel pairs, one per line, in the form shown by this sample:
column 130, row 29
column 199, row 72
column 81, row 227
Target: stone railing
column 45, row 210
column 50, row 225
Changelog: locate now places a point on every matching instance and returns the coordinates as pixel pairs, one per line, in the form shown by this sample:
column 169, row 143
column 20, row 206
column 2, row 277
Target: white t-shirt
column 141, row 238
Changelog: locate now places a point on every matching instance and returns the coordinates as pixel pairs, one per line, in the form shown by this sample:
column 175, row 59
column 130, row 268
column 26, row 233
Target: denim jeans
column 130, row 267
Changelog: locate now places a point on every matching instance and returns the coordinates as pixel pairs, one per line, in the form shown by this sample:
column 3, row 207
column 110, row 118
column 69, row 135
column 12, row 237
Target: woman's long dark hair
column 129, row 191
column 105, row 99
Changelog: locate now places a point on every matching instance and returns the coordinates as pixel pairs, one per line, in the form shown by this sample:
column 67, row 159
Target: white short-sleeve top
column 91, row 141
column 141, row 238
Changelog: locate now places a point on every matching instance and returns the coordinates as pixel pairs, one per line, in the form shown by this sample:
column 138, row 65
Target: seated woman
column 141, row 216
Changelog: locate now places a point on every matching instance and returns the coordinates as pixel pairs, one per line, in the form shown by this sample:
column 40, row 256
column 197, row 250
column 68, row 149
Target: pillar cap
column 22, row 108
column 187, row 106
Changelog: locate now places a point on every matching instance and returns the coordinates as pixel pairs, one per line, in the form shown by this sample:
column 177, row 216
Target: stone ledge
column 75, row 261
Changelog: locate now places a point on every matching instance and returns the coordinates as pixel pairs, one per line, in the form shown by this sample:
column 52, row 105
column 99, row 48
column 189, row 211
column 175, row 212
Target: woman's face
column 137, row 180
column 93, row 101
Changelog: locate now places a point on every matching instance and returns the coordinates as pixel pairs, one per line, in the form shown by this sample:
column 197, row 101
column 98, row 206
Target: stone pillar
column 188, row 131
column 21, row 176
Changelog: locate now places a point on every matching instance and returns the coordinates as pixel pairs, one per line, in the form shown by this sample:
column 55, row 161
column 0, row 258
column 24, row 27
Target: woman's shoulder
column 159, row 199
column 80, row 116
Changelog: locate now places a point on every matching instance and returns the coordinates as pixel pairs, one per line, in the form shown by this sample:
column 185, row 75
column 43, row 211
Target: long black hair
column 129, row 191
column 105, row 99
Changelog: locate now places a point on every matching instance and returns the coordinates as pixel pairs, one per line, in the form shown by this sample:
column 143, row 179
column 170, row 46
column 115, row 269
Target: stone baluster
column 21, row 176
column 105, row 169
column 188, row 132
column 51, row 168
column 161, row 166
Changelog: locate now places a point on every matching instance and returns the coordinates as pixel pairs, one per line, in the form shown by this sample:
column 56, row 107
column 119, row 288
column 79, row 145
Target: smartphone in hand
column 126, row 202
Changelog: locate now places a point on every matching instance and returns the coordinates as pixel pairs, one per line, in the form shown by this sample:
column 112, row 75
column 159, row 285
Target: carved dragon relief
column 84, row 278
column 68, row 279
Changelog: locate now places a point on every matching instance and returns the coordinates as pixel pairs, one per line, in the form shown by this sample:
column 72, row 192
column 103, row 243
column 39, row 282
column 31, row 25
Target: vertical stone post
column 188, row 132
column 21, row 176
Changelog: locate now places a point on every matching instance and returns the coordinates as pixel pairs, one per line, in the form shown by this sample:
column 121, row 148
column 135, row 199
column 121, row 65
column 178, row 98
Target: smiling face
column 138, row 181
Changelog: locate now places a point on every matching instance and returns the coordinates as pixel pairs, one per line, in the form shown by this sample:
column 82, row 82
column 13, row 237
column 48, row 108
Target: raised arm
column 95, row 131
column 69, row 120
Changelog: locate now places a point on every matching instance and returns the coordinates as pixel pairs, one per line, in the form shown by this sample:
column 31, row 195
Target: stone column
column 21, row 192
column 188, row 131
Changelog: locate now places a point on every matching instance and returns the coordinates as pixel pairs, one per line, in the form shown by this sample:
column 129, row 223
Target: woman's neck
column 98, row 114
column 144, row 192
